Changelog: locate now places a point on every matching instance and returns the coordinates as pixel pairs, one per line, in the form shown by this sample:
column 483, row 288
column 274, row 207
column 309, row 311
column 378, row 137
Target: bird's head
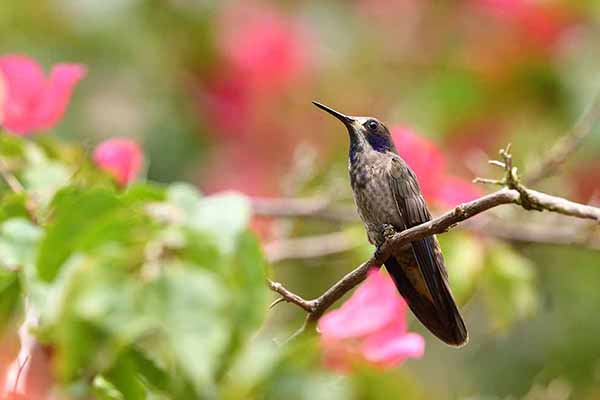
column 364, row 131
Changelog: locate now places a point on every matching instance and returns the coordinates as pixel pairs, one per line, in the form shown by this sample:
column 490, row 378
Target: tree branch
column 535, row 200
column 513, row 192
column 586, row 236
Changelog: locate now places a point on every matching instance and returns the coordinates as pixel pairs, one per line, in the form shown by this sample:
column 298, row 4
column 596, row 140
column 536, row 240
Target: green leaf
column 44, row 179
column 106, row 390
column 192, row 306
column 223, row 216
column 144, row 193
column 75, row 212
column 372, row 383
column 247, row 276
column 465, row 260
column 18, row 243
column 11, row 145
column 112, row 300
column 159, row 380
column 509, row 283
column 91, row 312
column 226, row 215
column 86, row 220
column 254, row 364
column 12, row 205
column 10, row 292
column 298, row 376
column 123, row 375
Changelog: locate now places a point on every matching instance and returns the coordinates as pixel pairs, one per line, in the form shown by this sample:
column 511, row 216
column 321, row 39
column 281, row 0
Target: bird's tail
column 428, row 295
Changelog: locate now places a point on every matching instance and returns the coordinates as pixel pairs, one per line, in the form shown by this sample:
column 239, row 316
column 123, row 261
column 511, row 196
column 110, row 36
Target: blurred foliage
column 152, row 292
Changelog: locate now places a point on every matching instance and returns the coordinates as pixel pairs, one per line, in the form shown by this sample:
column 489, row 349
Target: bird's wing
column 432, row 302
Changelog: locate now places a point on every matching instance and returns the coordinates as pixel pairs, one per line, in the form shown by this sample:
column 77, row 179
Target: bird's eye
column 372, row 125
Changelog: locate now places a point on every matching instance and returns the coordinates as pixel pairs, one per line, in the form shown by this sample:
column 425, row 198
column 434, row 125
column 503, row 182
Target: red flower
column 370, row 327
column 121, row 157
column 33, row 102
column 228, row 104
column 429, row 164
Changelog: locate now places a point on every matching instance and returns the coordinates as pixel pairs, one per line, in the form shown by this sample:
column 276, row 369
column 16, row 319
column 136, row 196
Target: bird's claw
column 388, row 231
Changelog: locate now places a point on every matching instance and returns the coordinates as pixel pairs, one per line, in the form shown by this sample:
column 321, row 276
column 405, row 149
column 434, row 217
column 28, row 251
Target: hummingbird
column 389, row 200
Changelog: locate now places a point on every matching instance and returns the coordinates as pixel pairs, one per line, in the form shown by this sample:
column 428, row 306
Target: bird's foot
column 378, row 253
column 388, row 231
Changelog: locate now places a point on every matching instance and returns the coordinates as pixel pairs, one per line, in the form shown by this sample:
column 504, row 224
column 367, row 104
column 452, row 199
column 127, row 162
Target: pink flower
column 228, row 104
column 121, row 157
column 539, row 22
column 267, row 48
column 369, row 327
column 453, row 191
column 429, row 164
column 33, row 102
column 423, row 156
column 264, row 55
column 2, row 98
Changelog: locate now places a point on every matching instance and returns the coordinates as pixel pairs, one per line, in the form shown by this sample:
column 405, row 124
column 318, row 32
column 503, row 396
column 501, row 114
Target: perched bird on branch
column 389, row 200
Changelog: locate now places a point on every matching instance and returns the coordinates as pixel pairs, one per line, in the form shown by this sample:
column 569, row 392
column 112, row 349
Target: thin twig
column 566, row 145
column 318, row 208
column 21, row 367
column 13, row 183
column 11, row 180
column 309, row 247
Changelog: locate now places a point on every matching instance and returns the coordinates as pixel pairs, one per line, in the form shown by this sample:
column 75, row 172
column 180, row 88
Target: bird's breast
column 373, row 197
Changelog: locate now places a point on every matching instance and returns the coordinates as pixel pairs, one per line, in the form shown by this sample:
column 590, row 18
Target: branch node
column 497, row 163
column 460, row 211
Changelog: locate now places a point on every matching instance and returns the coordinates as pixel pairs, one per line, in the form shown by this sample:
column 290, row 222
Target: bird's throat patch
column 379, row 143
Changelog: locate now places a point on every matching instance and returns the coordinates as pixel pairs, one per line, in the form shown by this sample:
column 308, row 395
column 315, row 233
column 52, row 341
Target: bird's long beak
column 346, row 120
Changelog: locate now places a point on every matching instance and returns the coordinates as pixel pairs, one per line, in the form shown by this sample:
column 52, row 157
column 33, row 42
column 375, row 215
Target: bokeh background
column 219, row 92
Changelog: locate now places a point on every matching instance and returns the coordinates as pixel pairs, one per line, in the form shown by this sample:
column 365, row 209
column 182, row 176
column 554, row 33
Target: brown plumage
column 387, row 195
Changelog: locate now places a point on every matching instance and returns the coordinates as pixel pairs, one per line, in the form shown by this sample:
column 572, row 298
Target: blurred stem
column 566, row 145
column 315, row 246
column 18, row 372
column 317, row 207
column 585, row 236
column 13, row 183
column 11, row 180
